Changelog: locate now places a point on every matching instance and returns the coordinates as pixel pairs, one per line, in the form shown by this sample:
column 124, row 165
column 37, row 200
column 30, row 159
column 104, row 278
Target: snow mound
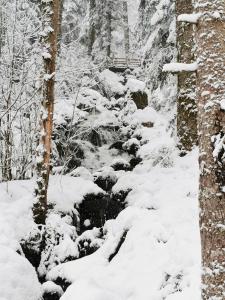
column 18, row 279
column 112, row 82
column 146, row 115
column 135, row 85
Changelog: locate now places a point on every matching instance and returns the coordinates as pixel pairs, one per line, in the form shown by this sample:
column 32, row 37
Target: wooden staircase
column 120, row 64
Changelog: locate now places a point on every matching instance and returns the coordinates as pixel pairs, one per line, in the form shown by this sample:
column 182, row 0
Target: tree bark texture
column 108, row 28
column 211, row 129
column 186, row 99
column 92, row 25
column 50, row 30
column 126, row 29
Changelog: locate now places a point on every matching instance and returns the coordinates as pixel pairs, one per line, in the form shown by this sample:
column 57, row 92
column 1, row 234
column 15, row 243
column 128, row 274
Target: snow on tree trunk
column 49, row 37
column 108, row 28
column 186, row 100
column 2, row 28
column 211, row 125
column 92, row 25
column 126, row 28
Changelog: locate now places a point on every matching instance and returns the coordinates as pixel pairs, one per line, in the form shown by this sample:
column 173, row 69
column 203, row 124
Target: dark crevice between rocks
column 51, row 296
column 134, row 162
column 63, row 283
column 121, row 241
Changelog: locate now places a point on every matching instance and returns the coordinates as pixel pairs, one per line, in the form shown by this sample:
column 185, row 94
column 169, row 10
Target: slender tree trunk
column 109, row 28
column 50, row 15
column 92, row 29
column 59, row 38
column 186, row 99
column 2, row 28
column 126, row 28
column 211, row 125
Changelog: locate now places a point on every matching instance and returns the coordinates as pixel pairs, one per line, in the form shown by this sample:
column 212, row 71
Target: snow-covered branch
column 180, row 67
column 189, row 18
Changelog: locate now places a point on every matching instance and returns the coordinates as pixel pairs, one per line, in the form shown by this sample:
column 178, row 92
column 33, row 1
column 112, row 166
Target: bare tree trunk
column 92, row 29
column 50, row 15
column 211, row 125
column 186, row 99
column 2, row 28
column 109, row 28
column 126, row 28
column 60, row 26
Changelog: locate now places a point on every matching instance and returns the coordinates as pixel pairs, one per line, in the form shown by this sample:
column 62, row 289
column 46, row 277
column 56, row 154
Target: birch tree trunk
column 186, row 99
column 50, row 14
column 211, row 125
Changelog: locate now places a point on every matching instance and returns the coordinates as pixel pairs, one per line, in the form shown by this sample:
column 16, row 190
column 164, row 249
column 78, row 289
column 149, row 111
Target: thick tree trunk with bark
column 211, row 125
column 50, row 30
column 186, row 99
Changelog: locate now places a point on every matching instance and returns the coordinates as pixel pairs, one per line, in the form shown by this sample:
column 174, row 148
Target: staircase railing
column 125, row 62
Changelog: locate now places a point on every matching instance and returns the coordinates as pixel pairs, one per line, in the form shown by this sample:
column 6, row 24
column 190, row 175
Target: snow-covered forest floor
column 123, row 220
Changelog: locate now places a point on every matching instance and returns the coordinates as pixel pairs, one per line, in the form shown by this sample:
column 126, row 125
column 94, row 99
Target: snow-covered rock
column 112, row 82
column 18, row 279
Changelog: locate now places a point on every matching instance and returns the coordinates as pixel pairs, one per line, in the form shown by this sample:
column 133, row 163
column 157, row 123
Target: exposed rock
column 94, row 137
column 148, row 124
column 51, row 291
column 93, row 208
column 115, row 206
column 140, row 98
column 134, row 162
column 90, row 241
column 120, row 197
column 132, row 146
column 117, row 145
column 105, row 178
column 120, row 164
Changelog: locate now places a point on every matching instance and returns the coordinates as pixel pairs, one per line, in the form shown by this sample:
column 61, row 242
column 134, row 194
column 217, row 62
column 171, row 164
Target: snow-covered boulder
column 105, row 178
column 112, row 83
column 18, row 279
column 120, row 164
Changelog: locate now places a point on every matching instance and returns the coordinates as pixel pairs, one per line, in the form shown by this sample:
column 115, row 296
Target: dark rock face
column 51, row 296
column 117, row 145
column 140, row 99
column 148, row 124
column 105, row 178
column 63, row 283
column 120, row 197
column 95, row 138
column 33, row 256
column 106, row 183
column 114, row 208
column 88, row 245
column 93, row 211
column 132, row 146
column 134, row 162
column 121, row 166
column 96, row 209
